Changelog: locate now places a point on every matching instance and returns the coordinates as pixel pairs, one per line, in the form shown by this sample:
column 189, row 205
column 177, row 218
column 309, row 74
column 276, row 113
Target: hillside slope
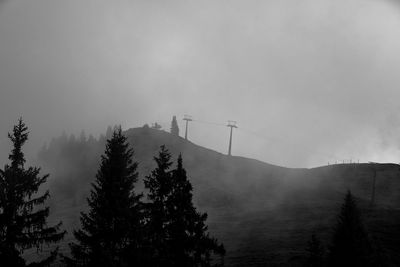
column 264, row 214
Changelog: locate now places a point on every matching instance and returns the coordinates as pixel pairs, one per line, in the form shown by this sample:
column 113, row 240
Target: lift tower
column 231, row 124
column 187, row 118
column 375, row 167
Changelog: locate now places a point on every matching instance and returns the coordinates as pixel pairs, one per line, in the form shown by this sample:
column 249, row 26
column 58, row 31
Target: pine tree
column 189, row 241
column 159, row 188
column 350, row 243
column 23, row 220
column 174, row 126
column 178, row 233
column 315, row 252
column 111, row 230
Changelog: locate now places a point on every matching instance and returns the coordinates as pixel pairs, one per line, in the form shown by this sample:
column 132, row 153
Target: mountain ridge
column 263, row 213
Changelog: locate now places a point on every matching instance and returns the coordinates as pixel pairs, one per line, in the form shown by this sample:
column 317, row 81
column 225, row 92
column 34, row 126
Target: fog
column 308, row 82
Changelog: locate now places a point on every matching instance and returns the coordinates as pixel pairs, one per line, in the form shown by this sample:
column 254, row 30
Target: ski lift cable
column 209, row 122
column 280, row 139
column 261, row 136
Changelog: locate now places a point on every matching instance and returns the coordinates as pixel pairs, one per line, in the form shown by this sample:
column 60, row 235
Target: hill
column 264, row 214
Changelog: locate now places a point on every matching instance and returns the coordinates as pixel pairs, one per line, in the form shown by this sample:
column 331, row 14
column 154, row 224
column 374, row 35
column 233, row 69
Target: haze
column 309, row 82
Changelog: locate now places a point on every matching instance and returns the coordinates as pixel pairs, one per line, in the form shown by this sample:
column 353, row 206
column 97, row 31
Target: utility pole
column 375, row 168
column 231, row 124
column 373, row 188
column 187, row 118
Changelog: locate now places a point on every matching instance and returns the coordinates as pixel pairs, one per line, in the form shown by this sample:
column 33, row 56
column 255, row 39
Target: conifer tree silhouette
column 174, row 126
column 350, row 242
column 111, row 230
column 159, row 188
column 23, row 222
column 178, row 233
column 189, row 241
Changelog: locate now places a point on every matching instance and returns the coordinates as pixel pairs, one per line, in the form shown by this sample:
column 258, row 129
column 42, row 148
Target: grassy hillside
column 264, row 214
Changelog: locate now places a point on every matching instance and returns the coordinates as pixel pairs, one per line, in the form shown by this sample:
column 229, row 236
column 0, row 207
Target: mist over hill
column 300, row 84
column 264, row 214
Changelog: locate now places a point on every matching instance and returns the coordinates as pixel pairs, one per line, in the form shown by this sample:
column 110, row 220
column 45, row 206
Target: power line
column 332, row 158
column 209, row 122
column 262, row 136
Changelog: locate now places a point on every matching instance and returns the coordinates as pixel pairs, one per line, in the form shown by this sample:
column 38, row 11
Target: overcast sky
column 307, row 81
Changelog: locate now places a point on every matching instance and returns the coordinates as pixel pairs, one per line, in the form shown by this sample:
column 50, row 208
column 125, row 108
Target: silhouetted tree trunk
column 23, row 222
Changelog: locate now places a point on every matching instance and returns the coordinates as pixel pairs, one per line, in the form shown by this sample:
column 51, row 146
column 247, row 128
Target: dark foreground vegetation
column 119, row 229
column 265, row 215
column 22, row 219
